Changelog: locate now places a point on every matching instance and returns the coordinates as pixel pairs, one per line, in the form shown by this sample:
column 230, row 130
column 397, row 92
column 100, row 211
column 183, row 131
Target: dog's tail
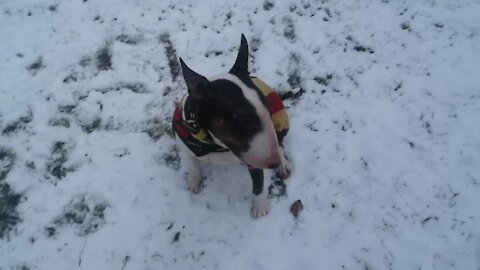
column 292, row 94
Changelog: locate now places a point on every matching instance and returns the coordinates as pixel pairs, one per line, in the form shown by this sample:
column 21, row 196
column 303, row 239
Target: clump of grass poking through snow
column 84, row 214
column 9, row 200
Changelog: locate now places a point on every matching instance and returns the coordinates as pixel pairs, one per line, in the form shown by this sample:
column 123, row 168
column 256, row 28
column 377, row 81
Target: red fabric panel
column 275, row 102
column 182, row 131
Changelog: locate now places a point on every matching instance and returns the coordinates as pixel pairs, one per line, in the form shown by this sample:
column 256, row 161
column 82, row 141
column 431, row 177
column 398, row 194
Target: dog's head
column 235, row 112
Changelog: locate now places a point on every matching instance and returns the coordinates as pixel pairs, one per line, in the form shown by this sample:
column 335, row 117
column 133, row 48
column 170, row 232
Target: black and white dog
column 232, row 118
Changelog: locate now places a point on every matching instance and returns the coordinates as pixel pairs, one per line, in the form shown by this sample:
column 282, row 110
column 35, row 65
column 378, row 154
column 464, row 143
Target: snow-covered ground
column 385, row 142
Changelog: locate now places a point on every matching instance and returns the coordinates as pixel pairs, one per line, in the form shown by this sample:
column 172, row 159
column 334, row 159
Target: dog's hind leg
column 261, row 205
column 194, row 177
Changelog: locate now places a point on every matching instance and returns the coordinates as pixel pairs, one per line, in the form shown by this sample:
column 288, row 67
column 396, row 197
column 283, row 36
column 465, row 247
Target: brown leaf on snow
column 296, row 208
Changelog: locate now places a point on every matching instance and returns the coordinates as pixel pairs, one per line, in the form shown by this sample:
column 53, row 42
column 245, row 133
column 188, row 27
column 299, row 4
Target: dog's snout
column 274, row 165
column 264, row 150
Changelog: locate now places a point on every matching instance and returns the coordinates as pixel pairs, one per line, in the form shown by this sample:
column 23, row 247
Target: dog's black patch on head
column 230, row 116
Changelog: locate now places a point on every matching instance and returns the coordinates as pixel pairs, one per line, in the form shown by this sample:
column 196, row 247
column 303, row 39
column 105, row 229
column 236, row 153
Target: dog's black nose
column 274, row 165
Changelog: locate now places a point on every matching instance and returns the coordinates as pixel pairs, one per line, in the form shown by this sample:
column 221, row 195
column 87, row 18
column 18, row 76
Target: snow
column 385, row 143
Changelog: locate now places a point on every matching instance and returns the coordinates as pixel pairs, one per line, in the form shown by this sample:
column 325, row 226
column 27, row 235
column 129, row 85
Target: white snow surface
column 385, row 142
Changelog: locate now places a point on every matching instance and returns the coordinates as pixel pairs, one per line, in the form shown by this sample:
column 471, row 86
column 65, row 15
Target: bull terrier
column 232, row 118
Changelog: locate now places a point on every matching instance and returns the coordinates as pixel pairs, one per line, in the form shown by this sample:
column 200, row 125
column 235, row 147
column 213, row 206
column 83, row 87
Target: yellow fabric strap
column 266, row 90
column 201, row 135
column 280, row 120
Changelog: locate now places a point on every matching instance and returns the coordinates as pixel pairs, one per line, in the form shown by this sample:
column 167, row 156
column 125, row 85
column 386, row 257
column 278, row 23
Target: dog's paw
column 194, row 184
column 261, row 205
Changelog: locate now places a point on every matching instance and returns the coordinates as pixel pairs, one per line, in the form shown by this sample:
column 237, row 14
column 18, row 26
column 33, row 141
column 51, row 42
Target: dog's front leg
column 194, row 178
column 261, row 205
column 284, row 169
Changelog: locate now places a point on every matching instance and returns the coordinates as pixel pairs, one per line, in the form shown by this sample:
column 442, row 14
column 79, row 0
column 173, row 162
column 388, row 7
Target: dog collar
column 186, row 125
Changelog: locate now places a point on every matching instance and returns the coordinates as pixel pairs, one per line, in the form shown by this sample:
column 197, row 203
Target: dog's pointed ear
column 241, row 64
column 198, row 86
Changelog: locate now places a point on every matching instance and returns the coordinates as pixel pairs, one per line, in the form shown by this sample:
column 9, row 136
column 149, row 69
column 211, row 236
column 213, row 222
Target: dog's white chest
column 220, row 158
